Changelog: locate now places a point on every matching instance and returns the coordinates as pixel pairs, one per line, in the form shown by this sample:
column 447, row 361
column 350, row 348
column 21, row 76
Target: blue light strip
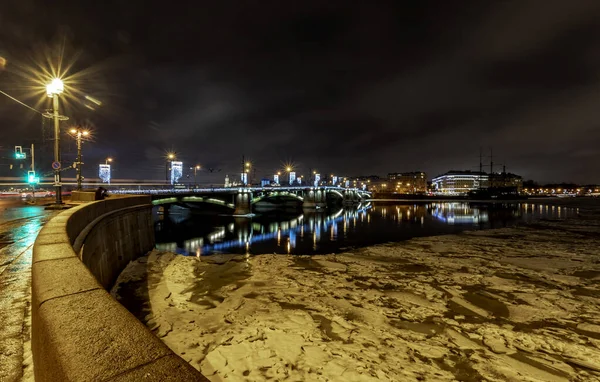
column 210, row 248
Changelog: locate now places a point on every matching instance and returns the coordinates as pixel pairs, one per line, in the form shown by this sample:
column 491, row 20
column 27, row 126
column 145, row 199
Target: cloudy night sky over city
column 351, row 88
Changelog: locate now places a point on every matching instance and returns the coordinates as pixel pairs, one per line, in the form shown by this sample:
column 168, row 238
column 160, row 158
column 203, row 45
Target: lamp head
column 55, row 87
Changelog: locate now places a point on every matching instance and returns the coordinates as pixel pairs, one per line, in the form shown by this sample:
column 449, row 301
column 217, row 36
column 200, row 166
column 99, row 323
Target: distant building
column 592, row 190
column 408, row 182
column 459, row 182
column 506, row 180
column 367, row 182
column 376, row 186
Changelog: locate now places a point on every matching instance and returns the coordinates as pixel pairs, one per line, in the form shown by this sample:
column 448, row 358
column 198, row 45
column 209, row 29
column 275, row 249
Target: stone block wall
column 79, row 332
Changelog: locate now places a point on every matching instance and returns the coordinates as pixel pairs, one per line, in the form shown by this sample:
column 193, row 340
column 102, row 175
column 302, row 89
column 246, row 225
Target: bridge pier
column 164, row 209
column 351, row 197
column 314, row 198
column 243, row 203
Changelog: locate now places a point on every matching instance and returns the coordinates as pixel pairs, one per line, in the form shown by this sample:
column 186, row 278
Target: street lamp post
column 289, row 171
column 53, row 89
column 170, row 157
column 79, row 134
column 196, row 168
column 247, row 171
column 106, row 162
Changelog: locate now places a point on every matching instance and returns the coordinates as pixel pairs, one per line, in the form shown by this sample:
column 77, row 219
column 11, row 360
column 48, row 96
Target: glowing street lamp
column 108, row 160
column 56, row 86
column 196, row 168
column 54, row 89
column 79, row 134
column 245, row 178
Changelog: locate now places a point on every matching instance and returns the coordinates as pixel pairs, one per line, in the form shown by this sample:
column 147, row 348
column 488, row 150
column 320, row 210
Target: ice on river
column 514, row 304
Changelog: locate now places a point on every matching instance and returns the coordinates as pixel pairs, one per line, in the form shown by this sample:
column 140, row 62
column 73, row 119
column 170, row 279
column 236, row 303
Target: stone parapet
column 79, row 332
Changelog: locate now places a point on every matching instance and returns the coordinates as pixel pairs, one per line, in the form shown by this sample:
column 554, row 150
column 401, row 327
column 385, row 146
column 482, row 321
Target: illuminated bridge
column 245, row 200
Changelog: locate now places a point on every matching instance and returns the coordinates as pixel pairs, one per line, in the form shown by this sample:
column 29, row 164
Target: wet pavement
column 19, row 226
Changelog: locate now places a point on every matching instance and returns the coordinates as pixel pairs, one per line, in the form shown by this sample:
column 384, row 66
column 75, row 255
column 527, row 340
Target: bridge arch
column 160, row 202
column 192, row 199
column 276, row 194
column 335, row 192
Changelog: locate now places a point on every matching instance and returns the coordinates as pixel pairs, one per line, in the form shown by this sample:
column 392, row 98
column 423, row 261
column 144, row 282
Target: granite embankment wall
column 79, row 332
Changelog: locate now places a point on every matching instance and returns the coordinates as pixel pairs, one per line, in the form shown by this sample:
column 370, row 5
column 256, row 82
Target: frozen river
column 520, row 302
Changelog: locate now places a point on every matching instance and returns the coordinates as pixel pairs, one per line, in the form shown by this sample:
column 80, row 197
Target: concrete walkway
column 19, row 226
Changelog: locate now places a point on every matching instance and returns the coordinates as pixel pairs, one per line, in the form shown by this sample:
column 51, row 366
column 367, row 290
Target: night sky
column 346, row 87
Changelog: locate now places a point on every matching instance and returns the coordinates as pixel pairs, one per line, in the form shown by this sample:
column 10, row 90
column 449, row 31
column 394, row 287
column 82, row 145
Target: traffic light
column 31, row 178
column 19, row 154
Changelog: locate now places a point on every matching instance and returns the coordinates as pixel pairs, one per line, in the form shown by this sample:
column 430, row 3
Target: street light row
column 54, row 89
column 176, row 173
column 176, row 167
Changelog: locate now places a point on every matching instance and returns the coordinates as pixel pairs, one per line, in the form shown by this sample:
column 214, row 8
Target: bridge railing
column 228, row 190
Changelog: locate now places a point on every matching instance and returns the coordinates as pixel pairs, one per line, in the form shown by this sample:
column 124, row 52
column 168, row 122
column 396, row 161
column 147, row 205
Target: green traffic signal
column 19, row 154
column 31, row 178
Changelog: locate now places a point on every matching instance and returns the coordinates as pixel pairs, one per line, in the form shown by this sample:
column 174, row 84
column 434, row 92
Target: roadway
column 19, row 226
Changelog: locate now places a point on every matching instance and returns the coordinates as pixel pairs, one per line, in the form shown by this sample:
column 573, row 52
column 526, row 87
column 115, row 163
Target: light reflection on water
column 337, row 230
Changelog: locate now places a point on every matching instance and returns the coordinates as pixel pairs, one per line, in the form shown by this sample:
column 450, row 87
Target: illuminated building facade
column 459, row 182
column 371, row 183
column 104, row 173
column 176, row 171
column 408, row 182
column 379, row 186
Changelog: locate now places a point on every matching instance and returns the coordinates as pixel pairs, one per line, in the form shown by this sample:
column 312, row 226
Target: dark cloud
column 371, row 87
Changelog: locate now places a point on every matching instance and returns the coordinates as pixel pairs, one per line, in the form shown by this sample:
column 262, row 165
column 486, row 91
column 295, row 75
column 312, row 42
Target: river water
column 338, row 230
